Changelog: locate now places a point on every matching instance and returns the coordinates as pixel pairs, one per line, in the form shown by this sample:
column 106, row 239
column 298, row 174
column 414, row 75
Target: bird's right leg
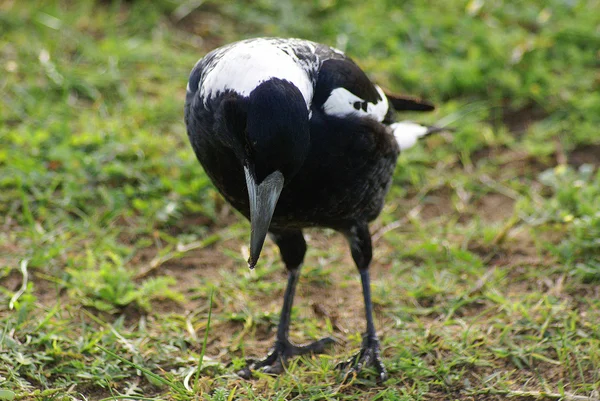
column 369, row 355
column 292, row 247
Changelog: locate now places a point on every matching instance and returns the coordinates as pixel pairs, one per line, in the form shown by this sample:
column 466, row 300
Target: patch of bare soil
column 522, row 163
column 47, row 292
column 491, row 207
column 183, row 224
column 12, row 281
column 495, row 207
column 588, row 154
column 437, row 203
column 519, row 121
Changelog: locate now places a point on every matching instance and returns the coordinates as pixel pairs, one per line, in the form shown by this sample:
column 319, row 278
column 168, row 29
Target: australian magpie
column 294, row 135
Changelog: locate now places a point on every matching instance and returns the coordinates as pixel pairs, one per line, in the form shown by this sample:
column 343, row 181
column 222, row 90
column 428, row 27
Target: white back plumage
column 244, row 65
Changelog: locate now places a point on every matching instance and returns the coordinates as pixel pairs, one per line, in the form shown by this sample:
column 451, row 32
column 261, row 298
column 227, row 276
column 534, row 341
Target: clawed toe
column 274, row 362
column 318, row 347
column 367, row 356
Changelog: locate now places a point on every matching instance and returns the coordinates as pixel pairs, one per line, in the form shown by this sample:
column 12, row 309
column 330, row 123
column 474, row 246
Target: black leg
column 283, row 329
column 360, row 245
column 292, row 247
column 366, row 288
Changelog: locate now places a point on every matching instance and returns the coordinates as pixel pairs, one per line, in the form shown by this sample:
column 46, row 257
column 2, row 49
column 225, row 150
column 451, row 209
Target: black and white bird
column 294, row 135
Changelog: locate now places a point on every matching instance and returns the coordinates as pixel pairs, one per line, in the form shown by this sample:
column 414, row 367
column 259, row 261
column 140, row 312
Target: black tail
column 408, row 103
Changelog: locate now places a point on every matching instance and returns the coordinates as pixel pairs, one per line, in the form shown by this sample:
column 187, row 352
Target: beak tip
column 262, row 198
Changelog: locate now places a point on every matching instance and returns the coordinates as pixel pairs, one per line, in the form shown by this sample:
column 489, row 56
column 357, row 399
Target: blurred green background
column 487, row 265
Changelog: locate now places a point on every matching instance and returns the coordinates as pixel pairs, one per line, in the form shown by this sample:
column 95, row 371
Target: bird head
column 273, row 125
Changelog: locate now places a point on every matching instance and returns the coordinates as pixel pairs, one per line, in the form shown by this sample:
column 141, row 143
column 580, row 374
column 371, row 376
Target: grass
column 112, row 239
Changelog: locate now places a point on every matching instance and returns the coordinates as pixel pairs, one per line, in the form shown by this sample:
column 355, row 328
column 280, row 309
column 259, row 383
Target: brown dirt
column 518, row 121
column 437, row 203
column 47, row 292
column 495, row 207
column 12, row 281
column 589, row 154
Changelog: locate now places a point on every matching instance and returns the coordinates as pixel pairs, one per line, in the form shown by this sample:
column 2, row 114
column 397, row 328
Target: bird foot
column 368, row 355
column 275, row 361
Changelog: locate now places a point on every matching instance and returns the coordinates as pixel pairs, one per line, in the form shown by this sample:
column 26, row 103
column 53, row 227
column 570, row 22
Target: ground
column 122, row 271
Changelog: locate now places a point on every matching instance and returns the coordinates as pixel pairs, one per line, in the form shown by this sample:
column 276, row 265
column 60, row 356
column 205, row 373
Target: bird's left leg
column 292, row 247
column 360, row 245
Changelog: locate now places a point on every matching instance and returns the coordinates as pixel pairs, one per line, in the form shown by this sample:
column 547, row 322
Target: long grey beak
column 263, row 199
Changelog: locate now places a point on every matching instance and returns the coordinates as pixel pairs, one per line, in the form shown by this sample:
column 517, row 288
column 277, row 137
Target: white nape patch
column 338, row 51
column 187, row 88
column 245, row 65
column 407, row 133
column 341, row 103
column 381, row 107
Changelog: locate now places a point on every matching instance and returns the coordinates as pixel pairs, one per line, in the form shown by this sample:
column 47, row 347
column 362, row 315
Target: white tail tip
column 407, row 133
